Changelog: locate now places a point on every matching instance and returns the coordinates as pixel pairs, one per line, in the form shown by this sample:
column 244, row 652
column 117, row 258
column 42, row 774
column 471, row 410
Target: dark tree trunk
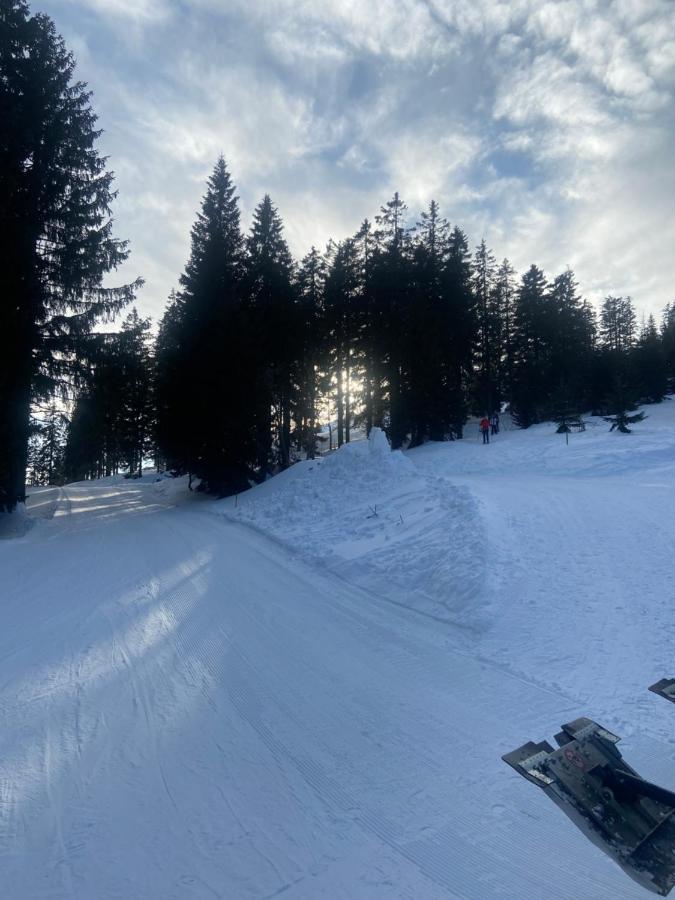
column 14, row 431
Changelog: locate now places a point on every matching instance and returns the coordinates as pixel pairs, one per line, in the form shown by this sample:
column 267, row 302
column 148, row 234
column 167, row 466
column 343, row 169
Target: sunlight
column 54, row 692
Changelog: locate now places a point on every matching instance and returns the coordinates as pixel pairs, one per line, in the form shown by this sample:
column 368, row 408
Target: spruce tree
column 204, row 366
column 488, row 346
column 530, row 349
column 504, row 304
column 55, row 228
column 369, row 342
column 621, row 405
column 310, row 289
column 47, row 447
column 340, row 305
column 429, row 331
column 649, row 364
column 275, row 319
column 462, row 327
column 571, row 338
column 667, row 333
column 137, row 408
column 391, row 275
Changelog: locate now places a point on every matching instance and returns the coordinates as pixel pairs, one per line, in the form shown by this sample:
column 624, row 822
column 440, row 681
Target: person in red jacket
column 485, row 429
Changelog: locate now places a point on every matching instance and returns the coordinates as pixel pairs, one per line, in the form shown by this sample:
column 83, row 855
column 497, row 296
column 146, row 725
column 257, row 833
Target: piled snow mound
column 14, row 525
column 370, row 516
column 369, row 460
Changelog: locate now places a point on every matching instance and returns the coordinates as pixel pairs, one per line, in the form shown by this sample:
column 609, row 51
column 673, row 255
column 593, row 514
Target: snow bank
column 367, row 514
column 16, row 524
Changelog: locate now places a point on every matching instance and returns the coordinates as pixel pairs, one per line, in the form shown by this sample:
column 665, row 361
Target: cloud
column 546, row 127
column 143, row 10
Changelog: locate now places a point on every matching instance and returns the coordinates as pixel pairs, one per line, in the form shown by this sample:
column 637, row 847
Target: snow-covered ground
column 304, row 692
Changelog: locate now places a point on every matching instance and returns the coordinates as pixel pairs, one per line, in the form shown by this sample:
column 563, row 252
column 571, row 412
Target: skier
column 485, row 429
column 494, row 423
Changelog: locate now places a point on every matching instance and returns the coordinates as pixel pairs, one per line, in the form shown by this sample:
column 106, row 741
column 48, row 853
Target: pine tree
column 55, row 228
column 93, row 448
column 649, row 361
column 621, row 404
column 530, row 349
column 488, row 349
column 668, row 342
column 369, row 348
column 47, row 447
column 504, row 304
column 617, row 324
column 429, row 331
column 270, row 294
column 613, row 359
column 462, row 328
column 391, row 275
column 137, row 412
column 204, row 352
column 341, row 313
column 310, row 288
column 85, row 452
column 172, row 392
column 571, row 338
column 667, row 333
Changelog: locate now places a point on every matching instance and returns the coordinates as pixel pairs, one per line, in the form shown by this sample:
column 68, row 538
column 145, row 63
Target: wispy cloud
column 546, row 127
column 143, row 10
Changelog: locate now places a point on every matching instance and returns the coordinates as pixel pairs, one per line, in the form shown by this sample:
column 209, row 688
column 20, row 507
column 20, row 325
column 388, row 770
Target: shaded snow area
column 305, row 692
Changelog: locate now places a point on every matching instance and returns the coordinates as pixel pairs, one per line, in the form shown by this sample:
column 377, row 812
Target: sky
column 546, row 128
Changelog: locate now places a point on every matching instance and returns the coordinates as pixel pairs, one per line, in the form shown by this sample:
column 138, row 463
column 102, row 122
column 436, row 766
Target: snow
column 305, row 691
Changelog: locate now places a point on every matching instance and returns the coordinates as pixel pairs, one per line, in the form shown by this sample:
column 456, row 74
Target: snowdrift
column 370, row 516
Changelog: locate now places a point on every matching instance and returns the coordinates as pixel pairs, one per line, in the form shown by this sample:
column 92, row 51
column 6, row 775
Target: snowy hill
column 305, row 692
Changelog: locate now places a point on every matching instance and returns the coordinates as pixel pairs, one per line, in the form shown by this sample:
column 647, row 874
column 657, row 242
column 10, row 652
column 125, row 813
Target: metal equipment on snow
column 630, row 819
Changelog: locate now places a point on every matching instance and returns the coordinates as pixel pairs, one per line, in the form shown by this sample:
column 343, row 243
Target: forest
column 405, row 325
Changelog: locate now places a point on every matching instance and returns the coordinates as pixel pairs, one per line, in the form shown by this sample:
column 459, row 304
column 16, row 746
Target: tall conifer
column 55, row 228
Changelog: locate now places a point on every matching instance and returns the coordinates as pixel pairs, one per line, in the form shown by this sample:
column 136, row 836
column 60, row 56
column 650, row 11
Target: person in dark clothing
column 494, row 423
column 485, row 429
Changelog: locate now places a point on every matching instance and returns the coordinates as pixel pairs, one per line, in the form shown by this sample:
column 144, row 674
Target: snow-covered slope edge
column 370, row 516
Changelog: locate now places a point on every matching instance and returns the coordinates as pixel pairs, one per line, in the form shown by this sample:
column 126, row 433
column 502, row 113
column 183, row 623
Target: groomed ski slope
column 305, row 693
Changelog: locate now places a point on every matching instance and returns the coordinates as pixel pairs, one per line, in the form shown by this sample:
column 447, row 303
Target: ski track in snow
column 305, row 693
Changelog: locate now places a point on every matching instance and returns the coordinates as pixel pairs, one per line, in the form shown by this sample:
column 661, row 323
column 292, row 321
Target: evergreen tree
column 571, row 336
column 172, row 392
column 488, row 349
column 112, row 424
column 93, row 440
column 341, row 305
column 137, row 411
column 204, row 352
column 621, row 405
column 276, row 323
column 530, row 349
column 47, row 447
column 429, row 331
column 310, row 289
column 85, row 455
column 650, row 365
column 613, row 359
column 617, row 324
column 369, row 347
column 462, row 328
column 504, row 304
column 55, row 228
column 391, row 274
column 668, row 343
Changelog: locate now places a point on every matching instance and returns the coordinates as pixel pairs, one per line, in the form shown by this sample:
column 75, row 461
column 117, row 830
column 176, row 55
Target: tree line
column 401, row 326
